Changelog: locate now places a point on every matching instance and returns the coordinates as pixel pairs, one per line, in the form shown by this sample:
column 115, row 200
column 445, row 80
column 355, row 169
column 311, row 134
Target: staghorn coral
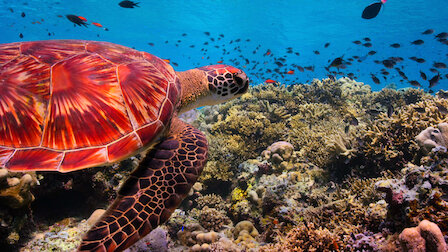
column 389, row 141
column 305, row 237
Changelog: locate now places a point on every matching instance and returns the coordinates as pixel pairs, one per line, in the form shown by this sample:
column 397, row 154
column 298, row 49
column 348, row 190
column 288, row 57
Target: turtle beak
column 242, row 82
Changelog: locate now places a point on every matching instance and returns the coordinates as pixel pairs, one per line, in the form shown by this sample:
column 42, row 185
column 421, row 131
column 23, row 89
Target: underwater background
column 310, row 159
column 176, row 29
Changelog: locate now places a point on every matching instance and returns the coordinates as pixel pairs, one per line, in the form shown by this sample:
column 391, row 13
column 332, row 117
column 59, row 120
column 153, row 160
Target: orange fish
column 290, row 72
column 83, row 18
column 275, row 221
column 97, row 24
column 219, row 61
column 166, row 60
column 270, row 81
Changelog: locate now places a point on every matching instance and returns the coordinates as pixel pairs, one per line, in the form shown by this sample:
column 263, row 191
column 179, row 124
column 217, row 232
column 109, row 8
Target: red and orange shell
column 67, row 105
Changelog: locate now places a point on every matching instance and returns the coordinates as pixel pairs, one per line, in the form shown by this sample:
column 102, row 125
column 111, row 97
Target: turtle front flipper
column 152, row 192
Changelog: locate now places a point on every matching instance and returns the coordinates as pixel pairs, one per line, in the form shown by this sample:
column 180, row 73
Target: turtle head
column 210, row 85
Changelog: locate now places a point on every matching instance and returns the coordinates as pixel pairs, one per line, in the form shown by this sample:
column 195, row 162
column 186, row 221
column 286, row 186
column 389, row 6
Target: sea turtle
column 67, row 105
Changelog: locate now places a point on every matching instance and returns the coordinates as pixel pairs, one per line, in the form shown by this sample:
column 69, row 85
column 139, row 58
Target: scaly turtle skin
column 67, row 105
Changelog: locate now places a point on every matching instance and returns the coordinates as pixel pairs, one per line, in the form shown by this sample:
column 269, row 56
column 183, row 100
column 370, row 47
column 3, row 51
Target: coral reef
column 306, row 237
column 15, row 201
column 325, row 166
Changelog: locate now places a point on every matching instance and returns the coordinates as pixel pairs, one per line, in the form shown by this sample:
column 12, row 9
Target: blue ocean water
column 176, row 30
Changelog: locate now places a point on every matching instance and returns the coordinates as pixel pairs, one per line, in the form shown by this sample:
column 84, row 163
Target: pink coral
column 425, row 237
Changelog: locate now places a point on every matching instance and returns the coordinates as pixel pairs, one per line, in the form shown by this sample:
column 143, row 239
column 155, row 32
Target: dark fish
column 423, row 75
column 357, row 42
column 372, row 10
column 76, row 20
column 419, row 109
column 367, row 44
column 371, row 53
column 20, row 35
column 327, row 45
column 375, row 79
column 434, row 80
column 439, row 65
column 11, row 10
column 429, row 31
column 301, row 69
column 388, row 63
column 373, row 112
column 23, row 14
column 310, row 68
column 366, row 39
column 442, row 109
column 337, row 62
column 316, row 52
column 353, row 121
column 415, row 83
column 128, row 4
column 395, row 45
column 442, row 35
column 184, row 34
column 151, row 44
column 390, row 110
column 433, row 70
column 417, row 42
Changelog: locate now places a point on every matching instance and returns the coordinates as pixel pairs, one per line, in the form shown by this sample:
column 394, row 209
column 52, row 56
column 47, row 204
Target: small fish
column 357, row 42
column 76, row 20
column 166, row 60
column 270, row 81
column 316, row 52
column 97, row 24
column 442, row 109
column 417, row 42
column 415, row 83
column 367, row 44
column 20, row 35
column 290, row 72
column 371, row 53
column 442, row 35
column 337, row 62
column 439, row 65
column 434, row 80
column 373, row 112
column 207, row 33
column 395, row 45
column 427, row 32
column 301, row 69
column 367, row 39
column 23, row 14
column 390, row 110
column 419, row 109
column 83, row 18
column 372, row 10
column 423, row 75
column 128, row 4
column 375, row 79
column 219, row 62
column 327, row 45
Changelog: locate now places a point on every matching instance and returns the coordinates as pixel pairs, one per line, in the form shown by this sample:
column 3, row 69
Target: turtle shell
column 67, row 104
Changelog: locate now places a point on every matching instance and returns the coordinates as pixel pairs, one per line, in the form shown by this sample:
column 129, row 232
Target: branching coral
column 305, row 237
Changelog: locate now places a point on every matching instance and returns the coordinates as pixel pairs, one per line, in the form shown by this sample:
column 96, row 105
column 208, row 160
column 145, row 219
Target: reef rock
column 433, row 137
